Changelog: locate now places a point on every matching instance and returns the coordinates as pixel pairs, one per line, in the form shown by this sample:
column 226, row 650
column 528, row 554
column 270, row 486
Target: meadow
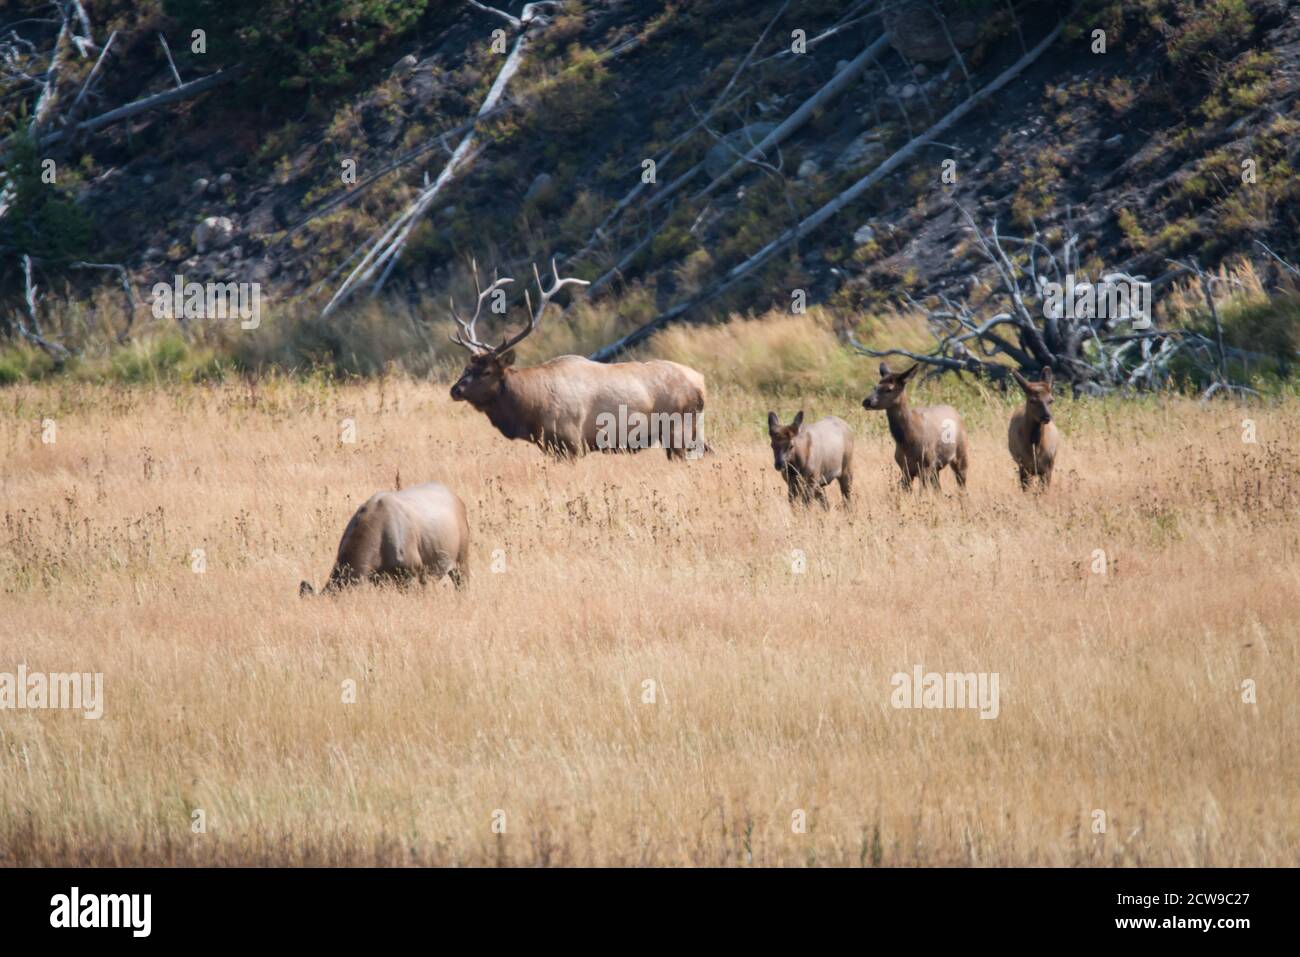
column 653, row 663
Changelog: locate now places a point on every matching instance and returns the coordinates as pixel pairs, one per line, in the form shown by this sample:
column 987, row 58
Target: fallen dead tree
column 824, row 214
column 754, row 155
column 385, row 250
column 176, row 94
column 1046, row 315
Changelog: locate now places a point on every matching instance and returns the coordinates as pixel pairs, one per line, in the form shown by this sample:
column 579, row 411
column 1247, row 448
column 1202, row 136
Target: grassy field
column 770, row 636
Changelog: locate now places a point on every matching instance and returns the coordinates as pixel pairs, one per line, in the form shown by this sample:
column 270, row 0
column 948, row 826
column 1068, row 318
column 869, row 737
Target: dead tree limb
column 128, row 293
column 44, row 110
column 94, row 72
column 54, row 350
column 852, row 17
column 170, row 62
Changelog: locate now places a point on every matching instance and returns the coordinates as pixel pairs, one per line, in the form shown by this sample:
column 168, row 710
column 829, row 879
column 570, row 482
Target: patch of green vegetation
column 310, row 47
column 1242, row 88
column 1040, row 176
column 42, row 220
column 1211, row 30
column 1138, row 240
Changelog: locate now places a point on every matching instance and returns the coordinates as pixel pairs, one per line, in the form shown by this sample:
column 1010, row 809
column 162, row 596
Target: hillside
column 1171, row 151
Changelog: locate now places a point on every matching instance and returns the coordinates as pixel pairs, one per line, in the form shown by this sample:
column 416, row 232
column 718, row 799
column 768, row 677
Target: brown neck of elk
column 486, row 381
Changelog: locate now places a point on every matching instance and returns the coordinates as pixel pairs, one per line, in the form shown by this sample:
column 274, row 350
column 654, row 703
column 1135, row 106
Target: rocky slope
column 1141, row 150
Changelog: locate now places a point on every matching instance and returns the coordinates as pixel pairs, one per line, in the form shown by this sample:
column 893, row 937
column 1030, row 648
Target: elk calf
column 1033, row 436
column 926, row 439
column 418, row 532
column 812, row 457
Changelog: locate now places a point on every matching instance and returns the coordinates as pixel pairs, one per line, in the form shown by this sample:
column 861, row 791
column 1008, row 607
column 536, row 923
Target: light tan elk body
column 810, row 457
column 416, row 533
column 1033, row 437
column 926, row 440
column 567, row 406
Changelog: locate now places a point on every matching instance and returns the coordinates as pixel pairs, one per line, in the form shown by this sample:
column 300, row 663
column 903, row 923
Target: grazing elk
column 926, row 439
column 1033, row 436
column 417, row 532
column 569, row 405
column 812, row 457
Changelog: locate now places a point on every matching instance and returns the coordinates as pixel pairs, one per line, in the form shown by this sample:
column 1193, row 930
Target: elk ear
column 1047, row 377
column 506, row 359
column 773, row 423
column 907, row 376
column 798, row 420
column 884, row 370
column 1020, row 380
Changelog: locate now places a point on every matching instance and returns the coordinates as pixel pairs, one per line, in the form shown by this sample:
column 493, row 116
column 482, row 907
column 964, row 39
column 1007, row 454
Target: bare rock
column 215, row 232
column 916, row 33
column 541, row 190
column 865, row 150
column 733, row 146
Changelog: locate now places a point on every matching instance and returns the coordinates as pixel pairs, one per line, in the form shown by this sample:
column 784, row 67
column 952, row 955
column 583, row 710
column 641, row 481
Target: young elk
column 811, row 458
column 416, row 533
column 1032, row 436
column 926, row 439
column 571, row 405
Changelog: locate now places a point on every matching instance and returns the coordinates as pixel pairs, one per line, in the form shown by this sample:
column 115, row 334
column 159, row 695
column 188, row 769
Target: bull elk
column 811, row 457
column 571, row 405
column 1032, row 436
column 416, row 533
column 926, row 440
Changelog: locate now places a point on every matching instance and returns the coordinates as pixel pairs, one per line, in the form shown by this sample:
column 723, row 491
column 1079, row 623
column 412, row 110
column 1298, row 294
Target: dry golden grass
column 1120, row 692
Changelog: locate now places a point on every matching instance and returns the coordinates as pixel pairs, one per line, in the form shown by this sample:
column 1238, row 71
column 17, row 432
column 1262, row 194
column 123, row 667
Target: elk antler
column 535, row 316
column 468, row 336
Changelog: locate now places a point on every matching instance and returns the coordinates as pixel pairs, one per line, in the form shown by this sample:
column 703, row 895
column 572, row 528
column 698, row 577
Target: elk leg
column 1045, row 476
column 1024, row 479
column 820, row 494
column 846, row 487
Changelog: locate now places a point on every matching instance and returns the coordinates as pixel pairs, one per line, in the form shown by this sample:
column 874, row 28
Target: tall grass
column 770, row 636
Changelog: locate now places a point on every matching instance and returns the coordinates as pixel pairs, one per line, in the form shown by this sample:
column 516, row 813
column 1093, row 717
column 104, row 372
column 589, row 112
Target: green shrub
column 311, row 46
column 42, row 220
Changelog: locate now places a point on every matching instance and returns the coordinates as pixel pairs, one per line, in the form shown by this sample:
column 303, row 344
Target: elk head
column 890, row 388
column 1038, row 395
column 783, row 437
column 481, row 381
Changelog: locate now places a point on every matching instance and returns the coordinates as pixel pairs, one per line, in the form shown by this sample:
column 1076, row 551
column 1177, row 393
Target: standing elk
column 567, row 406
column 1033, row 436
column 926, row 439
column 415, row 533
column 810, row 458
